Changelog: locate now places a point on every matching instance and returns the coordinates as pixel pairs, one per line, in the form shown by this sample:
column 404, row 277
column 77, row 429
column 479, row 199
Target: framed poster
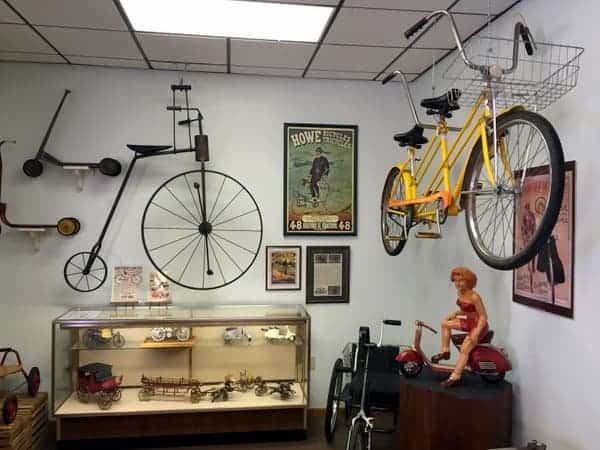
column 127, row 285
column 328, row 274
column 319, row 179
column 283, row 267
column 546, row 282
column 160, row 291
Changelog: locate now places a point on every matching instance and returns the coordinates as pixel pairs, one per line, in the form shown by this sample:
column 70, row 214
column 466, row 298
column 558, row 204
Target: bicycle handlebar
column 520, row 30
column 396, row 323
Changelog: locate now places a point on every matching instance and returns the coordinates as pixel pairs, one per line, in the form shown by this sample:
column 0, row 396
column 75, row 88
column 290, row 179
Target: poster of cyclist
column 320, row 179
column 546, row 282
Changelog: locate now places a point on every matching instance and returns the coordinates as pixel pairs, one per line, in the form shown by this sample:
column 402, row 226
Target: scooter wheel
column 110, row 167
column 33, row 168
column 68, row 226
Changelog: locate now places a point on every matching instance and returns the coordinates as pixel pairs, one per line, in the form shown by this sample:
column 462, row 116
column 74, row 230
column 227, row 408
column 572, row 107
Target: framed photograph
column 160, row 291
column 284, row 268
column 328, row 274
column 546, row 282
column 319, row 179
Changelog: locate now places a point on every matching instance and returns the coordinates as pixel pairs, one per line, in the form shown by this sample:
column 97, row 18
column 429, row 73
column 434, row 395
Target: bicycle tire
column 552, row 168
column 333, row 400
column 357, row 438
column 393, row 247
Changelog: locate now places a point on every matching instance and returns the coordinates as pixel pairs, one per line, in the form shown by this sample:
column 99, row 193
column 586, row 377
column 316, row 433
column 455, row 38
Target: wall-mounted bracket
column 80, row 172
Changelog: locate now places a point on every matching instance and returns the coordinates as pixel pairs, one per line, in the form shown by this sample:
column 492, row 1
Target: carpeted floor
column 315, row 440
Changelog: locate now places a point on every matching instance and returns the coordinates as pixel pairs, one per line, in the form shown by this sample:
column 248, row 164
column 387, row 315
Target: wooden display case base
column 471, row 416
column 140, row 426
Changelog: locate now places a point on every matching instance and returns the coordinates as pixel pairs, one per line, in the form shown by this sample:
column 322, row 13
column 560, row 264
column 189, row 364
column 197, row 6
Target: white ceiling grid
column 365, row 38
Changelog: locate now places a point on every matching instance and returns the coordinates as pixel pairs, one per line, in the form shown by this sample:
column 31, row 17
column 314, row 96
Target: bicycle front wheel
column 509, row 223
column 358, row 439
column 202, row 229
column 393, row 232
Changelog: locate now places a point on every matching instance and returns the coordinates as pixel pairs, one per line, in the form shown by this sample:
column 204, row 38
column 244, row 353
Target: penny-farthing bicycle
column 202, row 229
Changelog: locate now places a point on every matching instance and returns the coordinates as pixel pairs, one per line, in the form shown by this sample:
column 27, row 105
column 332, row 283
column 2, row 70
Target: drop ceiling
column 364, row 39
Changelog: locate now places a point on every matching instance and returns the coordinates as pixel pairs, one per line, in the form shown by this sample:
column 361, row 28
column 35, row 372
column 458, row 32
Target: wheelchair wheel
column 333, row 399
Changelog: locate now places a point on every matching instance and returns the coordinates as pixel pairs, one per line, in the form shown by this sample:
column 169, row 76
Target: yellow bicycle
column 506, row 150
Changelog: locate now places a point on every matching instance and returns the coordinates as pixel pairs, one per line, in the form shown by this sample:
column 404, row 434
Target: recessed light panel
column 229, row 18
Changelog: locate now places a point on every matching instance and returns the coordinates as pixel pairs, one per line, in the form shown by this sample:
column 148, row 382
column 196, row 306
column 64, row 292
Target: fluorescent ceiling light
column 229, row 18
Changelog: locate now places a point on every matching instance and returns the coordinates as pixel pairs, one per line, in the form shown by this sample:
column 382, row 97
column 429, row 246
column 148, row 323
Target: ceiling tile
column 270, row 53
column 272, row 71
column 482, row 7
column 217, row 68
column 440, row 35
column 21, row 38
column 340, row 75
column 417, row 5
column 72, row 13
column 302, row 2
column 170, row 47
column 416, row 60
column 113, row 62
column 31, row 57
column 353, row 58
column 7, row 16
column 80, row 42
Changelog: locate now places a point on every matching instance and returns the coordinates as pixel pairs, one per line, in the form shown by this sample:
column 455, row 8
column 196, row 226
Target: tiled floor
column 315, row 440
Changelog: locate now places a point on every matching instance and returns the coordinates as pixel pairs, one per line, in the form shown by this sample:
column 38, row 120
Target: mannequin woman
column 470, row 317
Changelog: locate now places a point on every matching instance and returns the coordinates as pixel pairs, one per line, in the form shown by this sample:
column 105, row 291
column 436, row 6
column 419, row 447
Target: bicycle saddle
column 413, row 138
column 443, row 104
column 147, row 149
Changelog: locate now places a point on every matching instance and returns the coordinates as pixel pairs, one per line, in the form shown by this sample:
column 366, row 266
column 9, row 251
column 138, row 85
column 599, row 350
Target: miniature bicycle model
column 509, row 147
column 67, row 226
column 194, row 222
column 152, row 386
column 486, row 360
column 96, row 381
column 102, row 337
column 9, row 404
column 348, row 382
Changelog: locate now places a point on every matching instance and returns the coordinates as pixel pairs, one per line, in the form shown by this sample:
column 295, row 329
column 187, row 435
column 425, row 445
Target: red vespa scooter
column 486, row 360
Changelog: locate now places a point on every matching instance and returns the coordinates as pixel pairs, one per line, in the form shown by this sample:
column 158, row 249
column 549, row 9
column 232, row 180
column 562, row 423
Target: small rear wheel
column 118, row 340
column 76, row 278
column 33, row 381
column 333, row 399
column 10, row 405
column 110, row 167
column 510, row 222
column 104, row 400
column 116, row 395
column 394, row 225
column 33, row 168
column 68, row 226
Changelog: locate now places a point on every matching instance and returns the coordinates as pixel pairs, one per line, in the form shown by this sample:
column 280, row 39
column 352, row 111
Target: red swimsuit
column 470, row 323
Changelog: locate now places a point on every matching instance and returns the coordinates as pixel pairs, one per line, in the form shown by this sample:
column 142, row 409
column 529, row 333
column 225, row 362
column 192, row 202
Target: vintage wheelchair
column 383, row 383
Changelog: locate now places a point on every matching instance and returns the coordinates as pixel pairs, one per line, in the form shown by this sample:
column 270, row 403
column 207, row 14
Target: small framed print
column 127, row 288
column 328, row 274
column 283, row 268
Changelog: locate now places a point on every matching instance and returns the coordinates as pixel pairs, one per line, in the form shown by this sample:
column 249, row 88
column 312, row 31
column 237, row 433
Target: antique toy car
column 96, row 381
column 102, row 337
column 284, row 389
column 9, row 403
column 275, row 334
column 236, row 334
column 160, row 334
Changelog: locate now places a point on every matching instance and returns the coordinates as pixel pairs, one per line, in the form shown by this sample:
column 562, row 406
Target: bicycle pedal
column 428, row 235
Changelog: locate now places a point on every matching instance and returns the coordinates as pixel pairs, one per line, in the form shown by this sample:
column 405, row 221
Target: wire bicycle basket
column 538, row 80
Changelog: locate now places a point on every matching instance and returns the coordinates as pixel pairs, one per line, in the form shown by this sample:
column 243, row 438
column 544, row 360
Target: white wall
column 556, row 363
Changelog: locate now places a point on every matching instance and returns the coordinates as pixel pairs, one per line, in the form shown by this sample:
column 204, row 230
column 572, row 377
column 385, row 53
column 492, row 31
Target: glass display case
column 180, row 370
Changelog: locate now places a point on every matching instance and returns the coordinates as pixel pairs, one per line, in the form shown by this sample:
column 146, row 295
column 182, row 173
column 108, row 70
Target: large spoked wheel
column 508, row 224
column 358, row 437
column 393, row 234
column 85, row 282
column 333, row 399
column 202, row 229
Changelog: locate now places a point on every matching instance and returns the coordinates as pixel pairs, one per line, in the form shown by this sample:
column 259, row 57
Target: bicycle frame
column 440, row 187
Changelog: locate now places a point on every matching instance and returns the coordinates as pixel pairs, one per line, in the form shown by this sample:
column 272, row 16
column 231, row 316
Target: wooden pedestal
column 471, row 416
column 35, row 409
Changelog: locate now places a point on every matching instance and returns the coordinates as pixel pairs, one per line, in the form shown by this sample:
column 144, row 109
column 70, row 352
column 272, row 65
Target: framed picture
column 546, row 282
column 319, row 179
column 284, row 268
column 328, row 274
column 127, row 288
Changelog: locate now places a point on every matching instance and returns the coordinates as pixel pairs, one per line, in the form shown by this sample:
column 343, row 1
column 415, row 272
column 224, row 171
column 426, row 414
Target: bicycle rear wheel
column 393, row 232
column 508, row 224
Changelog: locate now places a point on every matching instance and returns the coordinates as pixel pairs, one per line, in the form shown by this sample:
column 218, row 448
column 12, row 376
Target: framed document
column 328, row 274
column 319, row 179
column 283, row 268
column 546, row 282
column 127, row 288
